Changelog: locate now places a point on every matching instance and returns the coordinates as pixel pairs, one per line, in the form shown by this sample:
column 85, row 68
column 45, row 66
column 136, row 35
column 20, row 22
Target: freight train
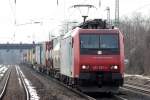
column 89, row 57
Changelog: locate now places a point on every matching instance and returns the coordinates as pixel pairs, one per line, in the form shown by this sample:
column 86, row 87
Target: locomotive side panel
column 122, row 53
column 76, row 58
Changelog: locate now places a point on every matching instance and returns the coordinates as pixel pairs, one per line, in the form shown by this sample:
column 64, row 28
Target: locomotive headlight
column 115, row 67
column 85, row 67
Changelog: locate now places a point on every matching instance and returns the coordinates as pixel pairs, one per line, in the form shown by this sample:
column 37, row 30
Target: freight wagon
column 38, row 58
column 42, row 56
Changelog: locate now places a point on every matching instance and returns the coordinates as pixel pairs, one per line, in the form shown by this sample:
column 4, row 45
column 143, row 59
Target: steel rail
column 137, row 89
column 119, row 97
column 139, row 85
column 24, row 84
column 75, row 90
column 5, row 85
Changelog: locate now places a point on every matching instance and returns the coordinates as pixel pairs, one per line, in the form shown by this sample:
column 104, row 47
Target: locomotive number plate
column 99, row 68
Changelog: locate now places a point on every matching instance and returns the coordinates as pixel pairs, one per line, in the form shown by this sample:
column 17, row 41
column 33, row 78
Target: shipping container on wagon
column 56, row 53
column 28, row 55
column 30, row 58
column 48, row 60
column 33, row 56
column 24, row 59
column 38, row 54
column 45, row 54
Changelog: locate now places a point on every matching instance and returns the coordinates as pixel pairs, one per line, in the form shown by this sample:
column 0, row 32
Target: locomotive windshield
column 106, row 43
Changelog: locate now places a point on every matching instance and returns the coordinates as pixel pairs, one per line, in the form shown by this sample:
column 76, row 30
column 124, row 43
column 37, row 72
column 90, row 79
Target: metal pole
column 117, row 13
column 108, row 15
column 84, row 18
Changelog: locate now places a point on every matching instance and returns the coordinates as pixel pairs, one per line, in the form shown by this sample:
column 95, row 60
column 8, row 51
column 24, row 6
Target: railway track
column 5, row 84
column 139, row 85
column 136, row 88
column 107, row 96
column 115, row 97
column 7, row 88
column 86, row 96
column 24, row 84
column 119, row 97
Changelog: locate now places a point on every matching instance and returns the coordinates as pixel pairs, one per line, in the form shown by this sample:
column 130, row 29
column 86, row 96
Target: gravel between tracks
column 47, row 89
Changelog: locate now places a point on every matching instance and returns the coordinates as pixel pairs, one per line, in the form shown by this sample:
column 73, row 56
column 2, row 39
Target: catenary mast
column 117, row 13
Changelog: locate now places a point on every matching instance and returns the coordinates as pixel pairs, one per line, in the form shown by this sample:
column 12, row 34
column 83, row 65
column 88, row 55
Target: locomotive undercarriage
column 85, row 79
column 101, row 79
column 96, row 81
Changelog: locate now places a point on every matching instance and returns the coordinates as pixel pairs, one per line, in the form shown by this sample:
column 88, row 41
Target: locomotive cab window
column 89, row 41
column 107, row 43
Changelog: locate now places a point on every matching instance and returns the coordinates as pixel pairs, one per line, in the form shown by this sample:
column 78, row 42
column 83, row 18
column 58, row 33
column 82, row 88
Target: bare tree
column 135, row 30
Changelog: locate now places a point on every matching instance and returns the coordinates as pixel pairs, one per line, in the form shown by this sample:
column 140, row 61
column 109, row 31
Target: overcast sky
column 50, row 14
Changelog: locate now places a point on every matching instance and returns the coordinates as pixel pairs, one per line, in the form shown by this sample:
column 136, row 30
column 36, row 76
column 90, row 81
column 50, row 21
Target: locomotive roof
column 80, row 30
column 94, row 24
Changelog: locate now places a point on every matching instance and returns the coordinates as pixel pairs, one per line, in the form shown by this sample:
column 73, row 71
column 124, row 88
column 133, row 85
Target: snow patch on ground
column 3, row 69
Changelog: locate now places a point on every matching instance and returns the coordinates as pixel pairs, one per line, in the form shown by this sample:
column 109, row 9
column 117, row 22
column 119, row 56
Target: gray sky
column 47, row 12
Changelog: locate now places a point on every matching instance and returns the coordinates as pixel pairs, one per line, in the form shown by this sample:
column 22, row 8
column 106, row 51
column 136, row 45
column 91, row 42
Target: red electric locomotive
column 90, row 57
column 93, row 56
